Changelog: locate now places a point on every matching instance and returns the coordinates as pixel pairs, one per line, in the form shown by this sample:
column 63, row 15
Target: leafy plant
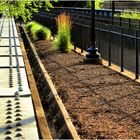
column 43, row 33
column 38, row 31
column 34, row 28
column 98, row 4
column 63, row 37
column 129, row 14
column 23, row 8
column 88, row 4
column 29, row 26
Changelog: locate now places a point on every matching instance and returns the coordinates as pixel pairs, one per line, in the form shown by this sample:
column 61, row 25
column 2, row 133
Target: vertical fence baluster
column 129, row 22
column 112, row 20
column 106, row 19
column 81, row 34
column 139, row 24
column 98, row 39
column 74, row 21
column 120, row 21
column 137, row 55
column 109, row 41
column 122, row 50
column 74, row 47
column 73, row 35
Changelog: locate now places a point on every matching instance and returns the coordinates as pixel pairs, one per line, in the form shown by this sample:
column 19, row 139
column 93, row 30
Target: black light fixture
column 93, row 56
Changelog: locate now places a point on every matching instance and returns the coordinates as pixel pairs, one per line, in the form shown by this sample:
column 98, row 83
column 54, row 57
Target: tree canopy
column 98, row 4
column 22, row 8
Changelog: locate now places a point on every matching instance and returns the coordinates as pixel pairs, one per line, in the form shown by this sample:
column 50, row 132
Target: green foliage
column 34, row 28
column 22, row 8
column 63, row 37
column 88, row 4
column 129, row 14
column 38, row 31
column 29, row 26
column 98, row 4
column 43, row 33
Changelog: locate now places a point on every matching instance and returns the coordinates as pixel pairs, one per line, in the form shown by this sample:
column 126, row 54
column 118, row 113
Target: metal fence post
column 137, row 55
column 120, row 21
column 113, row 11
column 109, row 41
column 82, row 34
column 129, row 23
column 122, row 50
column 98, row 39
column 139, row 24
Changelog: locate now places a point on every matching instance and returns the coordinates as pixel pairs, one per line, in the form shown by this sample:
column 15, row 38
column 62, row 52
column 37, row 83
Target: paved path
column 17, row 119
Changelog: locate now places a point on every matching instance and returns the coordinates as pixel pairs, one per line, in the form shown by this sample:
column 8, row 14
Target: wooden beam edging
column 41, row 119
column 70, row 127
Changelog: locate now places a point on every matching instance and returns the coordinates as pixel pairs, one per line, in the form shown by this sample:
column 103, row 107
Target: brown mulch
column 102, row 103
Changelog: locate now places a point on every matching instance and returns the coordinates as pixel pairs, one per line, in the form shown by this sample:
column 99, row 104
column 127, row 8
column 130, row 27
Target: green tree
column 98, row 4
column 22, row 8
column 88, row 4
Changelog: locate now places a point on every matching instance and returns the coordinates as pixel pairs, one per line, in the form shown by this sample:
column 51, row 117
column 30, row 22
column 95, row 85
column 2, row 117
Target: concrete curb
column 40, row 115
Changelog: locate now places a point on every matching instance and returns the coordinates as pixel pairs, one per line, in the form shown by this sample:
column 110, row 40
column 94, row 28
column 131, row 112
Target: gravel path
column 102, row 103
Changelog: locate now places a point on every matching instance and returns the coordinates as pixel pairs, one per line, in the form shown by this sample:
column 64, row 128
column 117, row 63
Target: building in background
column 123, row 5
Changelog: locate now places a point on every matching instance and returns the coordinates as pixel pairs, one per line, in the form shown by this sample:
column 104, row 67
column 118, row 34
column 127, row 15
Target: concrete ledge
column 41, row 119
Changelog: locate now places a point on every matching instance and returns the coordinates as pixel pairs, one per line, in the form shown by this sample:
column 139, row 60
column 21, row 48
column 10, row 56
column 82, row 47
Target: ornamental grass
column 63, row 37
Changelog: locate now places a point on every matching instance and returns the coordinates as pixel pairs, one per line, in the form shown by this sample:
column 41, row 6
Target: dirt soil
column 102, row 103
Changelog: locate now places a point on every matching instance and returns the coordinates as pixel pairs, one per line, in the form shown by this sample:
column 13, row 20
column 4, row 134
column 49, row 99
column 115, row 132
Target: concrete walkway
column 17, row 118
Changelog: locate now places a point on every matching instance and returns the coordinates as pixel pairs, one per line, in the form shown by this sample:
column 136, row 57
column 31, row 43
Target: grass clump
column 29, row 26
column 63, row 37
column 43, row 33
column 38, row 31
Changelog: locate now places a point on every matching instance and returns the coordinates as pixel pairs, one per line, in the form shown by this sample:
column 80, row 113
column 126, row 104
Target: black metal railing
column 116, row 44
column 103, row 16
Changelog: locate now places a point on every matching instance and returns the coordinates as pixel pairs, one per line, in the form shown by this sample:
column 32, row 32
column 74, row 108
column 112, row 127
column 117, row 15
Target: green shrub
column 29, row 26
column 129, row 14
column 63, row 37
column 38, row 31
column 35, row 27
column 98, row 4
column 43, row 33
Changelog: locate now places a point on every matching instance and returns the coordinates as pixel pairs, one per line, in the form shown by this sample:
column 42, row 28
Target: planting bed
column 101, row 102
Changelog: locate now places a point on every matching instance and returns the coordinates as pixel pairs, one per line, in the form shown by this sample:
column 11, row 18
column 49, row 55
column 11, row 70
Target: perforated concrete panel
column 17, row 119
column 5, row 42
column 5, row 78
column 4, row 51
column 5, row 61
